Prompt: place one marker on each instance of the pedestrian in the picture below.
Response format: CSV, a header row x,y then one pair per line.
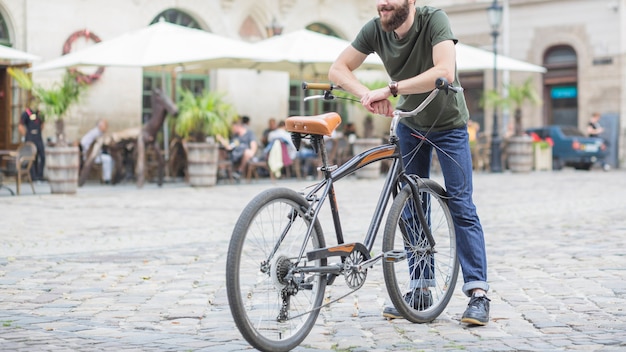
x,y
102,157
417,47
31,128
594,129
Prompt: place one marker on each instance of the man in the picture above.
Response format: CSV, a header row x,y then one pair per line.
x,y
30,127
271,126
242,147
105,159
417,47
594,129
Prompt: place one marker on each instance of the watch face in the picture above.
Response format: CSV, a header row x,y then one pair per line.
x,y
393,88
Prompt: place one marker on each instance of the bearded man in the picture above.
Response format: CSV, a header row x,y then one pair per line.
x,y
417,47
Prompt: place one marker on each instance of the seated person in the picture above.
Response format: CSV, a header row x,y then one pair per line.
x,y
281,134
276,158
242,146
102,158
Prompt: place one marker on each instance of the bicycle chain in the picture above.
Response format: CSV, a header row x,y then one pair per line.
x,y
325,304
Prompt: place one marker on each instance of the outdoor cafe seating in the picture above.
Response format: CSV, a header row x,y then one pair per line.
x,y
17,164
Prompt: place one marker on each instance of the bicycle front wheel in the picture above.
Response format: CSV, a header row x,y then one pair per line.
x,y
420,283
273,304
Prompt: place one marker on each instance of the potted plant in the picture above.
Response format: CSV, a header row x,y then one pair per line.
x,y
62,161
519,147
199,120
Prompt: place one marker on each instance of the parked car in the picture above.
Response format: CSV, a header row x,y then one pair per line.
x,y
570,147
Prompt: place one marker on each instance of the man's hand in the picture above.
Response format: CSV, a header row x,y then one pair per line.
x,y
376,102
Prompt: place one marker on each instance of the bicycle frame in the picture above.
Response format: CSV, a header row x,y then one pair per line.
x,y
396,174
379,153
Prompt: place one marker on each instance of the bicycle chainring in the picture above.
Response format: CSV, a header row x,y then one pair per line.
x,y
355,277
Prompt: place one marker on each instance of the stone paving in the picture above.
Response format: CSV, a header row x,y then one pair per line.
x,y
116,268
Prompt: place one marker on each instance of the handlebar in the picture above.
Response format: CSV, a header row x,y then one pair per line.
x,y
441,84
318,86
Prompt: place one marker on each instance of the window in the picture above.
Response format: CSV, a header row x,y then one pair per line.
x,y
473,84
296,94
152,80
561,86
177,17
4,32
193,82
19,97
155,79
311,107
322,28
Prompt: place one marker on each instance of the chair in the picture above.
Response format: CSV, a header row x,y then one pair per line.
x,y
225,165
95,170
254,165
22,162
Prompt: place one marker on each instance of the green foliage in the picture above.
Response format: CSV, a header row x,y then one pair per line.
x,y
516,97
56,100
207,114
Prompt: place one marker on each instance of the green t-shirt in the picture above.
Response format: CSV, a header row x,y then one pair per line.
x,y
408,57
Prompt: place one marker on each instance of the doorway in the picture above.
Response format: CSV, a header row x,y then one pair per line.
x,y
561,86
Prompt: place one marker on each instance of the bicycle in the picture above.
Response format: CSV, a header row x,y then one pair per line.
x,y
277,267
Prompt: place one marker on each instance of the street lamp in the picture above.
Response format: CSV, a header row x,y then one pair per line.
x,y
494,12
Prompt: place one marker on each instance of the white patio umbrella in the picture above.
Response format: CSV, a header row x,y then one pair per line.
x,y
163,45
470,58
304,53
14,56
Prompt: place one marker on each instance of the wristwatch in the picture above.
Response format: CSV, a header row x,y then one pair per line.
x,y
393,88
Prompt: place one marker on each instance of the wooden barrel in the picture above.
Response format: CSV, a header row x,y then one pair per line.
x,y
202,161
372,170
62,164
520,154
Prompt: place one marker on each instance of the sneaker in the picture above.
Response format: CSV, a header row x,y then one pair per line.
x,y
237,176
477,312
419,299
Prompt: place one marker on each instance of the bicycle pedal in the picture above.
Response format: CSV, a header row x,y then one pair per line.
x,y
394,255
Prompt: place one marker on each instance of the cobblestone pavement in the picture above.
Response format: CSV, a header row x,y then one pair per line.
x,y
126,269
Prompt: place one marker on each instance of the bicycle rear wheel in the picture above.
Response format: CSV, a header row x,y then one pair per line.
x,y
424,268
273,307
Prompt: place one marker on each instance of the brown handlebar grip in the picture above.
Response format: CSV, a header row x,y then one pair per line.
x,y
320,86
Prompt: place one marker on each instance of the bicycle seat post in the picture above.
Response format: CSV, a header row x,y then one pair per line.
x,y
318,140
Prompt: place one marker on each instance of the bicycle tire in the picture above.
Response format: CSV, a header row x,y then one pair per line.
x,y
437,271
254,282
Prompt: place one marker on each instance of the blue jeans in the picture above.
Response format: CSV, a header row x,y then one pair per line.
x,y
456,164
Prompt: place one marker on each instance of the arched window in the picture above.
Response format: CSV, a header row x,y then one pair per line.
x,y
561,86
156,79
4,32
177,17
322,28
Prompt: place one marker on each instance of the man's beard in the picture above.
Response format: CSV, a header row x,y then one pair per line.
x,y
398,16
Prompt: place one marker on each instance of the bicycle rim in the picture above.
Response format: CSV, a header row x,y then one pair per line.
x,y
267,238
435,270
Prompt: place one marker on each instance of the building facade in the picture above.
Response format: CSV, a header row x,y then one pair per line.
x,y
580,42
